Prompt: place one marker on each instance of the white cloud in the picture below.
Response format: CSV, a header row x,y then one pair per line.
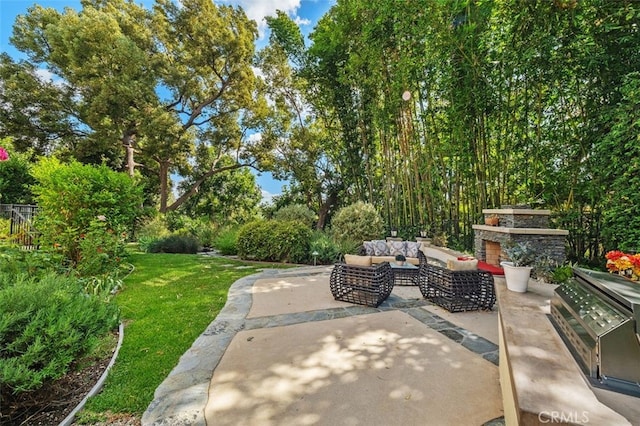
x,y
258,9
267,197
254,137
301,21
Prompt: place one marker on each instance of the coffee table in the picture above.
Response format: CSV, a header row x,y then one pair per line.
x,y
406,274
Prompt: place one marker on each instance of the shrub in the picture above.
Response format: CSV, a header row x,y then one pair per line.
x,y
175,243
76,202
328,250
226,241
203,230
357,222
274,241
298,212
14,261
15,177
5,228
155,228
45,324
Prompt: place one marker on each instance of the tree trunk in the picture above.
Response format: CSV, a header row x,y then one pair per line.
x,y
323,213
128,140
164,185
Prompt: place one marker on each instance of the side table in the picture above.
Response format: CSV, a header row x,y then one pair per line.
x,y
406,274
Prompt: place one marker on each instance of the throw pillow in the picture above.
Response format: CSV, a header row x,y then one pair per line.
x,y
397,247
354,259
462,265
412,249
380,248
368,248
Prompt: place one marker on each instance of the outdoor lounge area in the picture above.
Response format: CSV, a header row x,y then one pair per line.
x,y
448,280
334,360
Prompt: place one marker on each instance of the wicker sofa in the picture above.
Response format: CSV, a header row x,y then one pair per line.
x,y
386,251
455,290
363,285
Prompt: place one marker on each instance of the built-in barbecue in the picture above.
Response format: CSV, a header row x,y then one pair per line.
x,y
598,316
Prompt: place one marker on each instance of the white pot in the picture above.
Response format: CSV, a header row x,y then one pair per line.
x,y
517,277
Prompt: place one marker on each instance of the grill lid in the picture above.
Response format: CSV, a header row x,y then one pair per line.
x,y
621,290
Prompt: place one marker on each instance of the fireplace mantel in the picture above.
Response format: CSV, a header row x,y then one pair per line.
x,y
523,231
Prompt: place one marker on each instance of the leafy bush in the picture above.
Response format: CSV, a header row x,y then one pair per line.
x,y
328,250
155,228
14,261
78,202
274,241
175,243
298,212
203,230
45,324
146,243
357,222
5,228
226,241
15,177
101,250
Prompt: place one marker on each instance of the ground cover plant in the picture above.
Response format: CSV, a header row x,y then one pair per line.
x,y
167,302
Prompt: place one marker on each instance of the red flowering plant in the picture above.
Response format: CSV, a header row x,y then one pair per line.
x,y
628,265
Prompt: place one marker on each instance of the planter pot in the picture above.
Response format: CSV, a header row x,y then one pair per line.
x,y
517,277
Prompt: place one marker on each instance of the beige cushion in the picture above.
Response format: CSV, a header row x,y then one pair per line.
x,y
462,265
433,252
353,259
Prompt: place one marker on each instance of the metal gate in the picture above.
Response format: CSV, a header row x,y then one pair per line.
x,y
21,229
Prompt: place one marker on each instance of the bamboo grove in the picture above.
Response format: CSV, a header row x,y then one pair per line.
x,y
444,108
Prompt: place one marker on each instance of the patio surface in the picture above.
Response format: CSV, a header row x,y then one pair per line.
x,y
284,352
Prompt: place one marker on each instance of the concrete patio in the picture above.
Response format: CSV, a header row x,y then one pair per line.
x,y
284,352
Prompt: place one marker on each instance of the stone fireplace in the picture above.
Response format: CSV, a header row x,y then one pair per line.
x,y
518,225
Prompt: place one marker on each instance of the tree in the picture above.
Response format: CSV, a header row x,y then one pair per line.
x,y
229,197
160,82
303,151
34,112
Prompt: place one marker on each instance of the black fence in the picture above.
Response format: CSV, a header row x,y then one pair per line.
x,y
21,229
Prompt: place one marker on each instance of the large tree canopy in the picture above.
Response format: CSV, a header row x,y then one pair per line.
x,y
172,85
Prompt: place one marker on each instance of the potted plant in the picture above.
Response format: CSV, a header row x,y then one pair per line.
x,y
518,266
400,259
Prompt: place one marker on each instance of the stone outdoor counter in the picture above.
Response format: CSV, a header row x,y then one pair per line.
x,y
540,380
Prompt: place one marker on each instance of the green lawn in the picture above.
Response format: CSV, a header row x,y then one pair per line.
x,y
166,303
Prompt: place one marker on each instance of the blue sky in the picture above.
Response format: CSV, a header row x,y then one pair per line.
x,y
305,12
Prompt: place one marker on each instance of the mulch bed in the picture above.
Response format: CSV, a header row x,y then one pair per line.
x,y
52,403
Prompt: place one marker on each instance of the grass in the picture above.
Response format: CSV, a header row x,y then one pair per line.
x,y
166,303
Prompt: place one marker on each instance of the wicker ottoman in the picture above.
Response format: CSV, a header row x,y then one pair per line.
x,y
456,290
362,285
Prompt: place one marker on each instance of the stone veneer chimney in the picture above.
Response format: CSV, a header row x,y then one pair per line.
x,y
519,225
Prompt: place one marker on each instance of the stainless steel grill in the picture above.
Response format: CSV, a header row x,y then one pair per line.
x,y
598,316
